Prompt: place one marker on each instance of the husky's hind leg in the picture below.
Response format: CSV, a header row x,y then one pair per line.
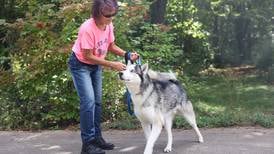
x,y
168,127
188,113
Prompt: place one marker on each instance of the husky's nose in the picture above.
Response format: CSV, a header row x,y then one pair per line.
x,y
120,75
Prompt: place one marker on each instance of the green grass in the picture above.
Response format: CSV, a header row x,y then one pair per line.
x,y
221,101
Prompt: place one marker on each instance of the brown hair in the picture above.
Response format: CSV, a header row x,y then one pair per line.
x,y
99,5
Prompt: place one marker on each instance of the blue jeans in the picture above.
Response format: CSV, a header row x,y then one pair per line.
x,y
87,81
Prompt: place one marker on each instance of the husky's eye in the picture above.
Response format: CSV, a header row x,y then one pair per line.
x,y
131,71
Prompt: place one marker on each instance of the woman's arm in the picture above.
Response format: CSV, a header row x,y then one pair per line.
x,y
118,51
112,64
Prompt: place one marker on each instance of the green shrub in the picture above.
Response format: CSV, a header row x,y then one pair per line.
x,y
190,35
41,94
263,120
156,46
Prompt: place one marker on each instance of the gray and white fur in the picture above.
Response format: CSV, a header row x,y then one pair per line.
x,y
157,97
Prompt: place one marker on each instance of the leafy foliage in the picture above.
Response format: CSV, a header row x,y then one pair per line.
x,y
238,29
42,85
156,46
196,52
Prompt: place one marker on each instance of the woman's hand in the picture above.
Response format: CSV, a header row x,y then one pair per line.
x,y
118,66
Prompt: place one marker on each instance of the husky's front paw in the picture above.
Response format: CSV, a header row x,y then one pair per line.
x,y
167,149
201,139
148,151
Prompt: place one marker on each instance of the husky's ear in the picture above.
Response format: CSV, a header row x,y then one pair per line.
x,y
145,68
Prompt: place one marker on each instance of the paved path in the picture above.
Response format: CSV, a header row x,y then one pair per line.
x,y
243,140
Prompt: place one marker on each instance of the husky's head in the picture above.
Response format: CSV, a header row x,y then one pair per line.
x,y
134,74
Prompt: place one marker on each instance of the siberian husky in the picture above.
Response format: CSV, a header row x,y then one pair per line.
x,y
157,97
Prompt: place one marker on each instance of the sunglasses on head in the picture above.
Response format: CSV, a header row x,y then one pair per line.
x,y
109,15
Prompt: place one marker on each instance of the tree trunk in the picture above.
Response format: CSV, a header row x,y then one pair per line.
x,y
158,11
2,9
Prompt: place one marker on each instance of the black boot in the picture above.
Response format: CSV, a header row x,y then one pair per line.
x,y
100,142
91,148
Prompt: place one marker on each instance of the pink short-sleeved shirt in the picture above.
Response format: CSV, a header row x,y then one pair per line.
x,y
91,37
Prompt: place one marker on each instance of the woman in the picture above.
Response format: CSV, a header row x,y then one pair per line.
x,y
95,39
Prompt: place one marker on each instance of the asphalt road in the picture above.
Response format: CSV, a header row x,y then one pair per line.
x,y
240,140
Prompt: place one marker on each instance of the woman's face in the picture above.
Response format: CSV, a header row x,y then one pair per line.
x,y
107,15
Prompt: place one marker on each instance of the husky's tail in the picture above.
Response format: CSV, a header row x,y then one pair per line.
x,y
162,75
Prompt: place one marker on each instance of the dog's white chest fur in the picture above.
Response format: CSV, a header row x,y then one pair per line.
x,y
146,114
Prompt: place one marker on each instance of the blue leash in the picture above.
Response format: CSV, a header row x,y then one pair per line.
x,y
129,103
128,97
